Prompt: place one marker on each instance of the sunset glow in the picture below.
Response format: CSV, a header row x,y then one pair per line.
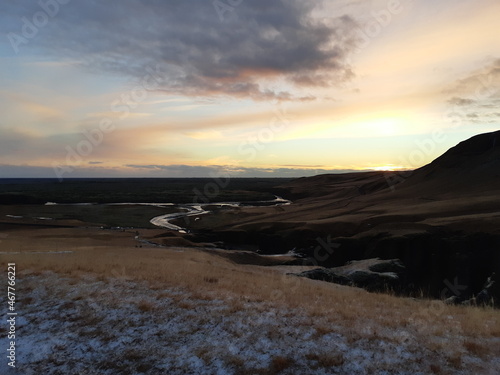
x,y
263,89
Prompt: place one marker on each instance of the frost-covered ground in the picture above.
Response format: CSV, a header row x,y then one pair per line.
x,y
90,325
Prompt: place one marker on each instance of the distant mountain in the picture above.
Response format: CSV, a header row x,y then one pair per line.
x,y
471,166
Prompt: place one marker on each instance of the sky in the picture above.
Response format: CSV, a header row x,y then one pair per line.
x,y
246,88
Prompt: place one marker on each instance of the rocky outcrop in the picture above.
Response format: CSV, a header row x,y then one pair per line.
x,y
374,275
391,265
488,296
324,274
374,281
434,261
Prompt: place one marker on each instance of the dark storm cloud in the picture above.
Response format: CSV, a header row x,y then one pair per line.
x,y
198,52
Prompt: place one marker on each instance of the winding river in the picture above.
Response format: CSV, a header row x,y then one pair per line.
x,y
187,209
196,209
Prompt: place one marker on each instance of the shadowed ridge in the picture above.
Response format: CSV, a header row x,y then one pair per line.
x,y
334,186
467,153
470,166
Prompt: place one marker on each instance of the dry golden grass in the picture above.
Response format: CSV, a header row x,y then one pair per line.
x,y
476,348
146,306
207,276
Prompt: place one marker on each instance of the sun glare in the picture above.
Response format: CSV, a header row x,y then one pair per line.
x,y
373,125
384,126
388,167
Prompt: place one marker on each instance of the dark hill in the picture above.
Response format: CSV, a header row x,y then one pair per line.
x,y
333,186
471,167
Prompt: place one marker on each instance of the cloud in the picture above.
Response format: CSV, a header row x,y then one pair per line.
x,y
480,85
461,101
160,171
14,105
180,170
258,51
476,94
33,171
23,146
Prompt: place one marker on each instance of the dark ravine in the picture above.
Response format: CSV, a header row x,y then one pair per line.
x,y
439,265
375,275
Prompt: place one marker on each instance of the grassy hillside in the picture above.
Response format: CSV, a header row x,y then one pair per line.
x,y
138,305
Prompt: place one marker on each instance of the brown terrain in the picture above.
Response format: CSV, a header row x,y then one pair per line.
x,y
442,220
92,302
109,300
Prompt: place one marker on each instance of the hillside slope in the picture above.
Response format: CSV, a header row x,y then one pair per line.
x,y
443,218
471,167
